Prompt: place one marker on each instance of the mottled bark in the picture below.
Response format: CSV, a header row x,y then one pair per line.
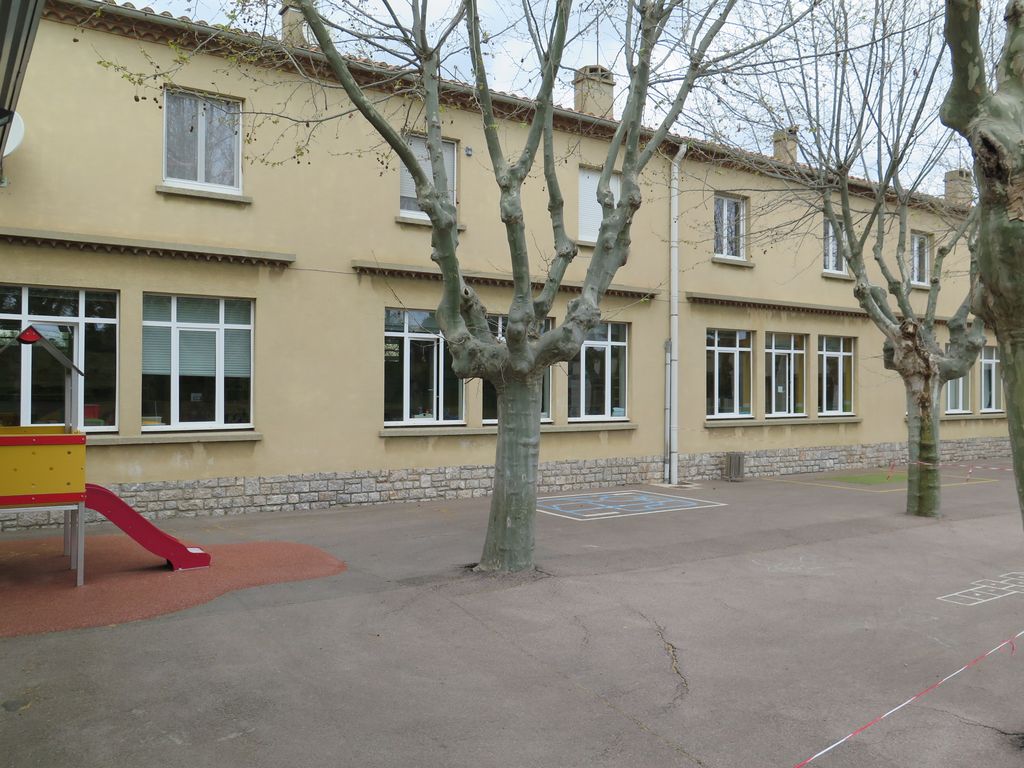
x,y
992,122
509,542
923,478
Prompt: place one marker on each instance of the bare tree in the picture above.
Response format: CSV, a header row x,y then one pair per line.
x,y
987,109
860,82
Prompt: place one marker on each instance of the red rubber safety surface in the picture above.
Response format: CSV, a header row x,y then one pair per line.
x,y
123,582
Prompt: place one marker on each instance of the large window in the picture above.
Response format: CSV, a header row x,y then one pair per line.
x,y
597,375
729,373
591,212
420,386
730,227
835,375
833,261
490,394
784,372
408,204
202,141
83,325
920,257
991,383
196,362
958,395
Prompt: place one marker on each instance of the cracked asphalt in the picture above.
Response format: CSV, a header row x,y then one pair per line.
x,y
750,635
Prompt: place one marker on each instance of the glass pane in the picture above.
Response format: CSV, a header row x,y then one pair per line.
x,y
100,304
394,367
618,381
575,396
238,311
545,401
53,302
745,383
197,376
798,342
595,383
727,338
710,391
732,231
237,399
195,310
422,321
720,225
711,337
832,343
156,307
780,395
598,333
182,116
847,385
237,374
782,340
496,325
726,382
48,376
156,399
156,350
394,319
798,382
238,352
743,339
452,405
422,368
222,142
489,411
831,384
10,375
618,331
100,385
10,299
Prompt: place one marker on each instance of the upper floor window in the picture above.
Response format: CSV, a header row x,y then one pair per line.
x,y
730,226
920,256
784,371
597,375
202,141
420,386
591,212
991,382
196,362
408,203
835,375
833,253
490,394
83,325
728,373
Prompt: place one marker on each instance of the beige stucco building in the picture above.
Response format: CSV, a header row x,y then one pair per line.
x,y
250,297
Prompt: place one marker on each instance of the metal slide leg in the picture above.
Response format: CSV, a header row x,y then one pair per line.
x,y
80,545
67,532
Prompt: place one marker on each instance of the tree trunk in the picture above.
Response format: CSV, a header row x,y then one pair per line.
x,y
923,487
509,543
1011,358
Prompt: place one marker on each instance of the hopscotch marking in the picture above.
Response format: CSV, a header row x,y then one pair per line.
x,y
987,590
601,506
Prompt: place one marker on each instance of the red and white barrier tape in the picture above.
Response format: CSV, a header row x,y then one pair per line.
x,y
1011,643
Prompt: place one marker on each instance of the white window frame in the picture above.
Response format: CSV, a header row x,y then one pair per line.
x,y
991,378
961,389
205,99
833,261
78,322
607,344
918,262
176,425
845,358
590,211
453,182
727,201
797,357
500,335
406,336
717,348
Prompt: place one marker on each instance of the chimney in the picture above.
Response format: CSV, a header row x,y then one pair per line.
x,y
595,90
959,187
784,145
293,25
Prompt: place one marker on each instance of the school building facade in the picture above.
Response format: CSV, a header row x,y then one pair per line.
x,y
256,322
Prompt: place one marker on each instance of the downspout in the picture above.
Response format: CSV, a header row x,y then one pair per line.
x,y
666,472
673,303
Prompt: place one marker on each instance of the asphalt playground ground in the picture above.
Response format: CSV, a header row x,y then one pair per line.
x,y
751,629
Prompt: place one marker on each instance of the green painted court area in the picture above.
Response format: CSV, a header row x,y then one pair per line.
x,y
873,478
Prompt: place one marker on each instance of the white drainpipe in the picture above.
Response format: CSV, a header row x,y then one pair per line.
x,y
673,303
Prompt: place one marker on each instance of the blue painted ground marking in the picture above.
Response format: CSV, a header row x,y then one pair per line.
x,y
598,506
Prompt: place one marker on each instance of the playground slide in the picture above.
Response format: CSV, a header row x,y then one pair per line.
x,y
117,511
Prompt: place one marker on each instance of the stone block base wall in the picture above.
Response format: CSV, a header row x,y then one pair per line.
x,y
239,495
